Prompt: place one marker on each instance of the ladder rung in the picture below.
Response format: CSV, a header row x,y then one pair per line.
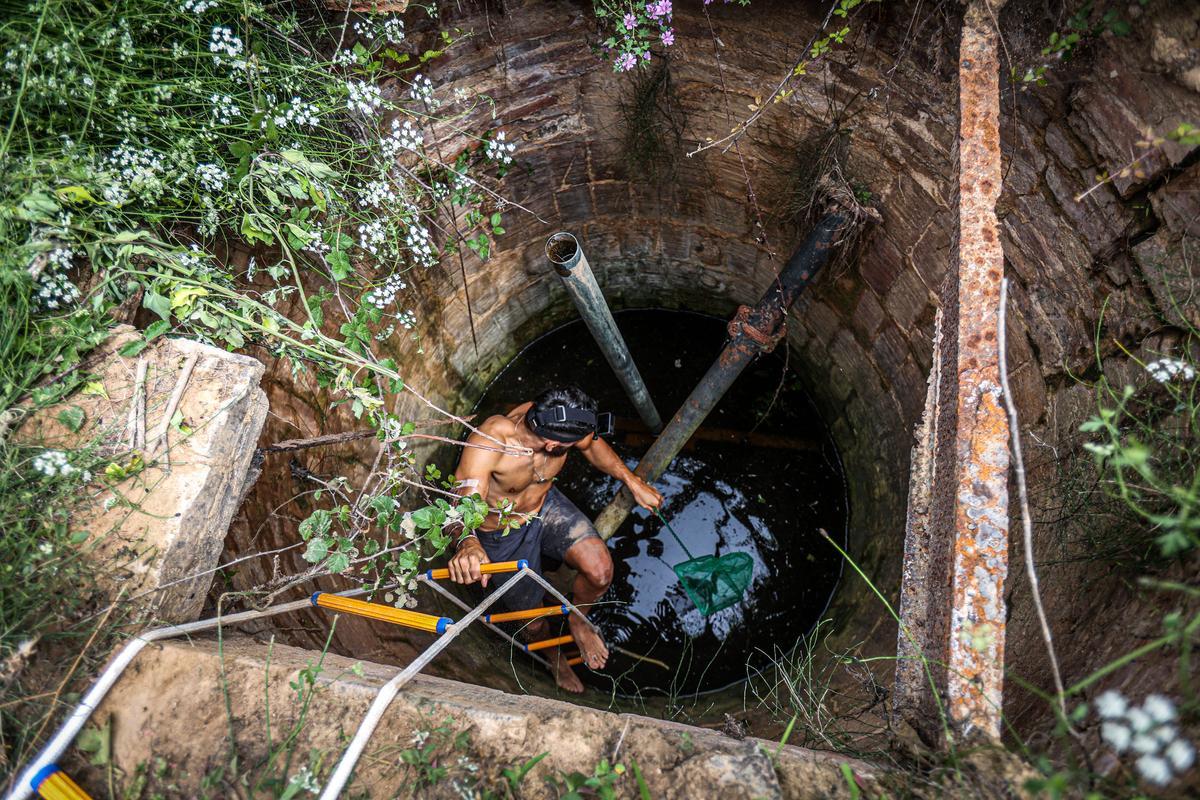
x,y
486,569
396,616
528,613
544,643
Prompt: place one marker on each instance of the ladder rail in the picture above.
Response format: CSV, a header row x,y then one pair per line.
x,y
387,692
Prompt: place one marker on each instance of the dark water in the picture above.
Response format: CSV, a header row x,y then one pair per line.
x,y
720,497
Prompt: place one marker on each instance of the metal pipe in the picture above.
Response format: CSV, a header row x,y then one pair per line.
x,y
751,331
572,267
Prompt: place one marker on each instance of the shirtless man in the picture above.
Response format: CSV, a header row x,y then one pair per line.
x,y
558,421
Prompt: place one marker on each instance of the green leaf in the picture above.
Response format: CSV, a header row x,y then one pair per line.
x,y
339,264
72,418
97,743
338,562
157,303
316,551
156,329
94,388
74,194
133,348
317,524
253,230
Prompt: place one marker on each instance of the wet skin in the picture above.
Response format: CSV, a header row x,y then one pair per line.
x,y
525,480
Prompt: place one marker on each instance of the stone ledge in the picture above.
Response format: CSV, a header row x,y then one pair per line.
x,y
169,704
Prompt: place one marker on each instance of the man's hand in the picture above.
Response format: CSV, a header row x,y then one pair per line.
x,y
646,495
464,567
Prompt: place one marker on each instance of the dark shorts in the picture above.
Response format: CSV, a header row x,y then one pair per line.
x,y
557,527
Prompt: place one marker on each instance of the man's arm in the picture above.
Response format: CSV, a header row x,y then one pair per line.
x,y
604,458
473,474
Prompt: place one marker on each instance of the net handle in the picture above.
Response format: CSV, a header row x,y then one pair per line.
x,y
658,514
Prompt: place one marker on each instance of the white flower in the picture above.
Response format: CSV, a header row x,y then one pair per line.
x,y
1145,743
344,58
1166,369
420,244
499,150
54,464
421,89
1181,754
1139,720
1165,734
371,235
191,259
223,42
375,194
1116,734
1109,705
197,7
382,296
1154,769
402,137
363,97
299,113
407,319
364,28
212,177
392,30
1160,708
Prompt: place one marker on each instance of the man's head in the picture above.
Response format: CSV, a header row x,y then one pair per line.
x,y
562,430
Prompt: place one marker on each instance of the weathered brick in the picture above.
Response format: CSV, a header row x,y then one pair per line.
x,y
881,264
907,299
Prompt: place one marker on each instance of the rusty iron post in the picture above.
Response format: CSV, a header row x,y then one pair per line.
x,y
956,548
751,331
568,260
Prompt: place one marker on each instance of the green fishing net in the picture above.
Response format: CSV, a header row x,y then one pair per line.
x,y
713,582
716,582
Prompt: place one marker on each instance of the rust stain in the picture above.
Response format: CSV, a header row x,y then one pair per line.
x,y
980,558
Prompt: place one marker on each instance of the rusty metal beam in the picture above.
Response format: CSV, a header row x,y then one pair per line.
x,y
975,673
956,543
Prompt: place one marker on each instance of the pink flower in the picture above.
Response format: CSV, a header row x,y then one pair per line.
x,y
626,62
661,8
630,22
668,37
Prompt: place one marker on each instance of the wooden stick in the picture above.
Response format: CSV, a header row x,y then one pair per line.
x,y
185,374
137,408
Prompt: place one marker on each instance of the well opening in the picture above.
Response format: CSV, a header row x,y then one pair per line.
x,y
762,477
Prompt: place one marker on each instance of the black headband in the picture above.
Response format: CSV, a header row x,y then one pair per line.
x,y
599,424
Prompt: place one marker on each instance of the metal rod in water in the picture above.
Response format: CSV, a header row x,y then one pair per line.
x,y
572,267
752,331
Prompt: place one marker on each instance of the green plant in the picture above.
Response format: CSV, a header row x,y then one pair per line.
x,y
515,776
438,752
1087,22
602,783
1146,445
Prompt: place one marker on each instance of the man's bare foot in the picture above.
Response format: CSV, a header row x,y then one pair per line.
x,y
591,646
564,676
